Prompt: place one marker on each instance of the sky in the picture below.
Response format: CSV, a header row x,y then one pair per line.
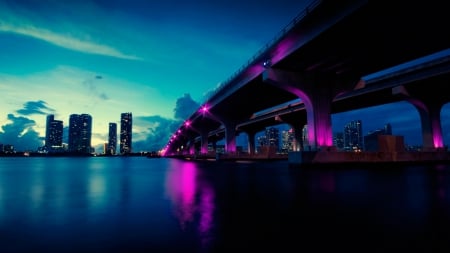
x,y
158,60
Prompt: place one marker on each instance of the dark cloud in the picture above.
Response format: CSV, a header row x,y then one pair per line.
x,y
35,107
185,107
158,132
20,134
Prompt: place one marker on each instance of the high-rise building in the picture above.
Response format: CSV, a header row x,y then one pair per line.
x,y
338,140
53,133
126,123
353,138
273,137
80,131
287,140
112,139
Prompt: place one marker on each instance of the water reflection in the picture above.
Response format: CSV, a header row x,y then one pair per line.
x,y
192,198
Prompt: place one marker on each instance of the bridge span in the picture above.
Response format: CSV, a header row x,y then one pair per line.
x,y
321,58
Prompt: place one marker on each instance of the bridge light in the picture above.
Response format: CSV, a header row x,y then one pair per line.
x,y
204,109
267,63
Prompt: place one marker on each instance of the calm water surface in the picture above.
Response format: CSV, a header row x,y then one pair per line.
x,y
135,204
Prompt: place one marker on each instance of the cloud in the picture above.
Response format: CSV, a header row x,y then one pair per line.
x,y
91,85
156,134
20,134
35,107
185,107
64,40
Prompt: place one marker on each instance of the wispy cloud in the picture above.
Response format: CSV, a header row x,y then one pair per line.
x,y
64,41
35,107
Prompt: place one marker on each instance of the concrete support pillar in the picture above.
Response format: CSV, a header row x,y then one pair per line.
x,y
204,142
192,148
230,137
431,126
430,116
316,91
251,142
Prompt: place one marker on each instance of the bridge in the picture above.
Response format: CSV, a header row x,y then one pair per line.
x,y
321,58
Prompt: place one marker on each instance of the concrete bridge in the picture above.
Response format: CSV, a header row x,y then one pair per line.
x,y
322,58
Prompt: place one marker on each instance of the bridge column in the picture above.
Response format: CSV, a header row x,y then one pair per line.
x,y
192,147
251,142
204,142
230,137
316,91
430,116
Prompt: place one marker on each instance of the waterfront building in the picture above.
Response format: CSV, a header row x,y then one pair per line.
x,y
112,139
287,140
371,139
353,138
53,133
80,132
126,124
273,137
338,140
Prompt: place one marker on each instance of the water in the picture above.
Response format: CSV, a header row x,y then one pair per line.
x,y
135,204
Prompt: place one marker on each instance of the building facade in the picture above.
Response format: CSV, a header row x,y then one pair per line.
x,y
353,138
371,139
53,134
126,124
80,132
112,139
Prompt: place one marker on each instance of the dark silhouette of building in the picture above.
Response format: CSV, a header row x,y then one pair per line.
x,y
112,139
371,142
353,138
338,140
80,132
126,124
53,133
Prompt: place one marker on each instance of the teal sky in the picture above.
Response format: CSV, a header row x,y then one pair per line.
x,y
108,57
156,59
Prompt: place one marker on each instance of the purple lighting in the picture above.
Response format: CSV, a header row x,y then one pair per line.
x,y
204,109
191,198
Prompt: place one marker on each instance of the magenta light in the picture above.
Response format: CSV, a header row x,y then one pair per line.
x,y
437,133
187,123
204,109
181,188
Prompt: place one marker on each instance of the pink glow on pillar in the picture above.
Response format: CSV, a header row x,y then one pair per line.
x,y
437,133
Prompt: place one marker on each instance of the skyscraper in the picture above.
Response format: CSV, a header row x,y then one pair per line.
x,y
353,138
273,137
53,133
112,139
80,131
126,123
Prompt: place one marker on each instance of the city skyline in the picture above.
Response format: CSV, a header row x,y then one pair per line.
x,y
159,60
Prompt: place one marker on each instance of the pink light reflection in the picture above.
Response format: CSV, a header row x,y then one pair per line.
x,y
180,186
191,197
